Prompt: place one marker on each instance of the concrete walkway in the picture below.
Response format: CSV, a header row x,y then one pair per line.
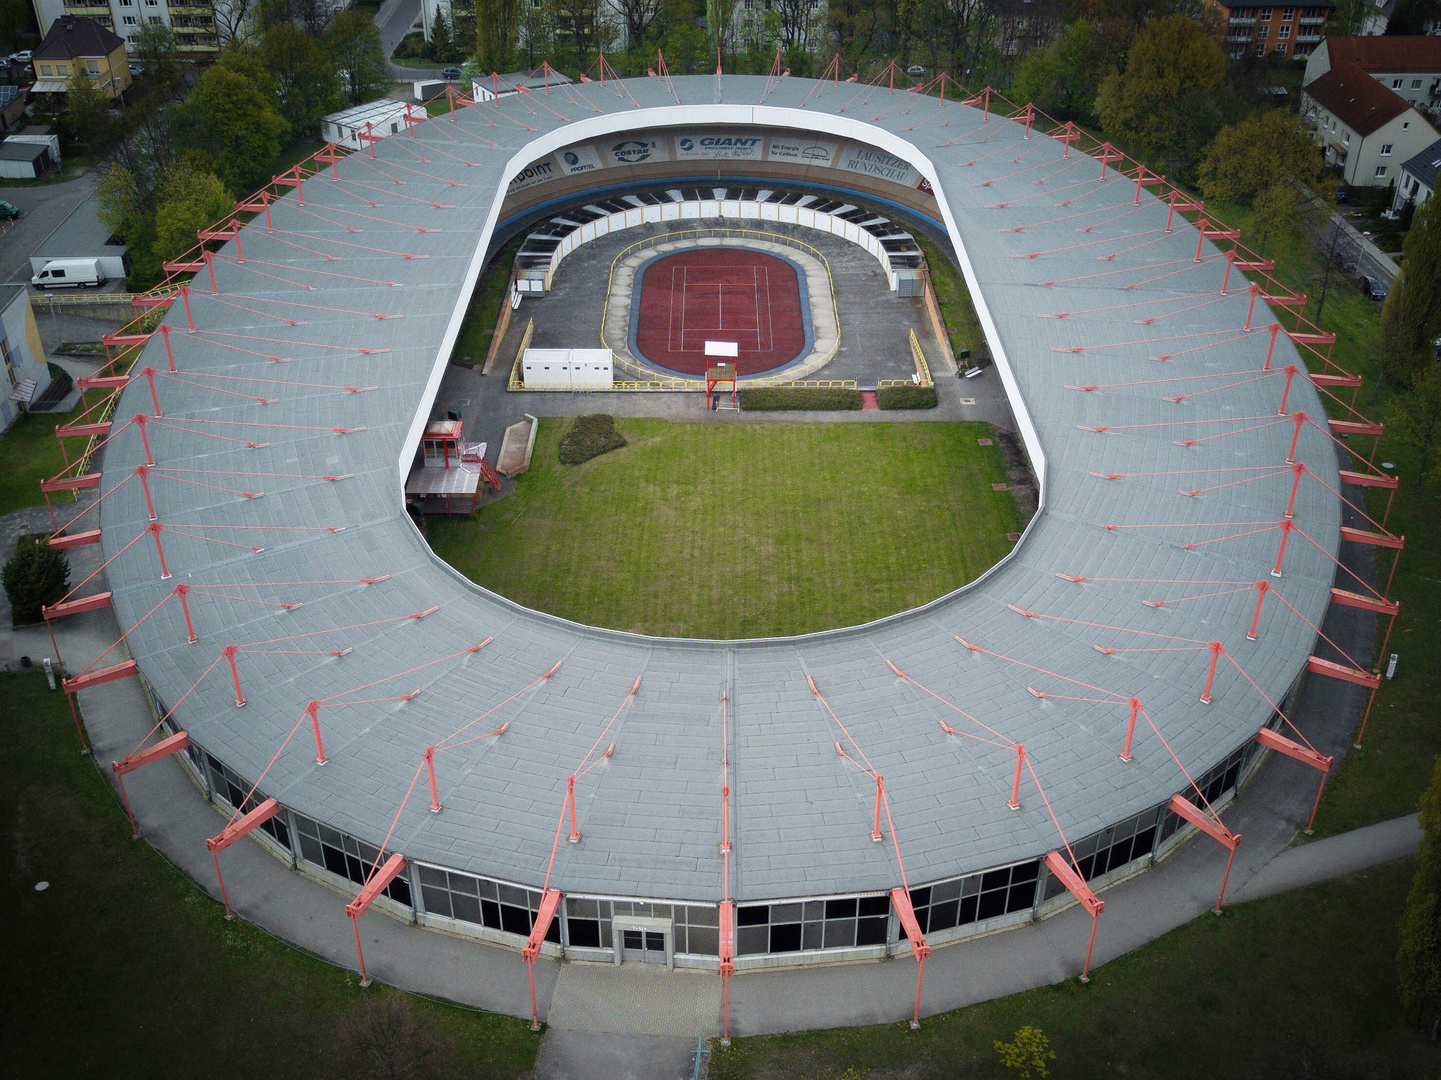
x,y
1369,258
629,1022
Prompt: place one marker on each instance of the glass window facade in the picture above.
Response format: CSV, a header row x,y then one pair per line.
x,y
481,901
812,924
344,856
590,922
230,789
976,897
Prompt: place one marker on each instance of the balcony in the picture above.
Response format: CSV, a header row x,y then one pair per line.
x,y
1308,39
1313,22
1241,22
1239,38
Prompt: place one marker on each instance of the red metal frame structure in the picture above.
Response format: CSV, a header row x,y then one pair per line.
x,y
140,758
1077,887
233,832
361,904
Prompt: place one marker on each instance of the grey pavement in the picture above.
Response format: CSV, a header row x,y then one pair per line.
x,y
1307,864
1370,258
42,207
585,1055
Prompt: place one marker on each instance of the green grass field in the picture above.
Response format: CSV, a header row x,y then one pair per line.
x,y
1300,985
742,530
123,968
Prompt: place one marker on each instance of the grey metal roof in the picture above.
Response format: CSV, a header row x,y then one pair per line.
x,y
650,814
13,151
79,235
1425,165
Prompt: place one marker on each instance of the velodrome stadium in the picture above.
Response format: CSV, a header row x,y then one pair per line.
x,y
445,756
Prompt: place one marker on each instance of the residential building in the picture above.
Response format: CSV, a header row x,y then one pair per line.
x,y
75,45
1367,130
1418,177
1408,66
1294,30
194,21
26,373
12,107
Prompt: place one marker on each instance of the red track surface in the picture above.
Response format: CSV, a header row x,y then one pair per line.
x,y
720,294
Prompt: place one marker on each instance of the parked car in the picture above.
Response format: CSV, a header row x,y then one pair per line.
x,y
1373,288
22,57
8,210
915,71
451,73
1346,260
136,70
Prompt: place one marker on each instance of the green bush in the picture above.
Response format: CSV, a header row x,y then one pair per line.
x,y
799,398
906,397
590,436
37,575
1418,962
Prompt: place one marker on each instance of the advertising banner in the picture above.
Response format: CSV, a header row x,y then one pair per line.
x,y
718,146
635,151
578,159
877,163
538,172
802,150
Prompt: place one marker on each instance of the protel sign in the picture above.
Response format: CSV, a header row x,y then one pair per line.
x,y
578,159
805,151
718,146
636,151
536,173
877,163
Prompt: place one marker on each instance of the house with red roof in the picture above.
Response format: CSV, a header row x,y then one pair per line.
x,y
1366,128
1410,67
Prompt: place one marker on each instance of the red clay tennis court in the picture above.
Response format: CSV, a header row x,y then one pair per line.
x,y
720,294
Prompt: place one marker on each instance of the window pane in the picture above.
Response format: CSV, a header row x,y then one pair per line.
x,y
703,916
465,907
490,914
584,933
992,904
399,891
631,939
841,909
585,909
429,875
514,920
437,901
704,941
786,938
840,933
753,916
785,913
751,940
311,851
871,931
811,934
1021,896
943,915
875,905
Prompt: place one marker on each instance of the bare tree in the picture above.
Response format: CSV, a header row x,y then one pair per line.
x,y
1334,248
384,1041
234,22
638,16
797,17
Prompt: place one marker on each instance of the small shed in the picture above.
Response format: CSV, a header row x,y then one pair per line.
x,y
354,127
25,161
12,107
81,236
492,86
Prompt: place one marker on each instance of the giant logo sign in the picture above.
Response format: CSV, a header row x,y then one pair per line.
x,y
718,146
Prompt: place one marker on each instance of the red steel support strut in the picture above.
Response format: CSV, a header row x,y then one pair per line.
x,y
314,710
1216,650
154,530
574,836
430,764
1262,588
1015,803
1135,704
144,438
181,591
1286,526
1298,468
1271,347
230,651
880,794
1300,419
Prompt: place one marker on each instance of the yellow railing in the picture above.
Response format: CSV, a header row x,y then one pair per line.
x,y
515,371
918,354
804,384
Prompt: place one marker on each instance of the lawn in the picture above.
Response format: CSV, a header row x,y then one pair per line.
x,y
1297,985
962,325
742,530
478,329
123,968
29,453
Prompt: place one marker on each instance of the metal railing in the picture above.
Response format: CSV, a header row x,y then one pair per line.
x,y
92,299
515,369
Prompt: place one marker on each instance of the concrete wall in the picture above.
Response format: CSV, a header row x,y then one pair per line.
x,y
27,357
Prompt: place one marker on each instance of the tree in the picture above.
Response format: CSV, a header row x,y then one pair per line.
x,y
119,201
234,125
1349,18
638,16
1418,961
157,51
1254,155
303,81
1169,102
1415,421
1411,315
190,198
87,109
1413,17
358,56
1027,1054
235,23
1063,77
497,22
36,575
383,1041
438,47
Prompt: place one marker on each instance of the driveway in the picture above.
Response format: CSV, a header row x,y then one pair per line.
x,y
42,207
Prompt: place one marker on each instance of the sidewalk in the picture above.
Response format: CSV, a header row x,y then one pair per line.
x,y
1370,259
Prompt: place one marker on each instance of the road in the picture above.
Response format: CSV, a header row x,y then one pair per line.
x,y
42,207
1369,258
395,19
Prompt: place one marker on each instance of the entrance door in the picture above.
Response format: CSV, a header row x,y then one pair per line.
x,y
644,946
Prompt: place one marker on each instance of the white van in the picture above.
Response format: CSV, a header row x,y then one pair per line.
x,y
69,274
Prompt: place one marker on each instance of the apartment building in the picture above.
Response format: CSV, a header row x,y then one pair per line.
x,y
194,21
1367,129
1289,31
1410,67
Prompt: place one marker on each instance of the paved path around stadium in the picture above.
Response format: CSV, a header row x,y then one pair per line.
x,y
621,1022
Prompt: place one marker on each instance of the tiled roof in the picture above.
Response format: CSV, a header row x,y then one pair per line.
x,y
1356,99
1378,55
75,37
1425,165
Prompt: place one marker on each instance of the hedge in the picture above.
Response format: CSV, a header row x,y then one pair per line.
x,y
590,436
799,398
906,397
36,575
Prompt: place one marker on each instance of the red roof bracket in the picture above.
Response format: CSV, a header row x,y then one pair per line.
x,y
121,670
1282,745
94,602
70,540
727,938
1074,883
164,748
901,901
549,904
1342,671
243,825
1212,827
375,886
